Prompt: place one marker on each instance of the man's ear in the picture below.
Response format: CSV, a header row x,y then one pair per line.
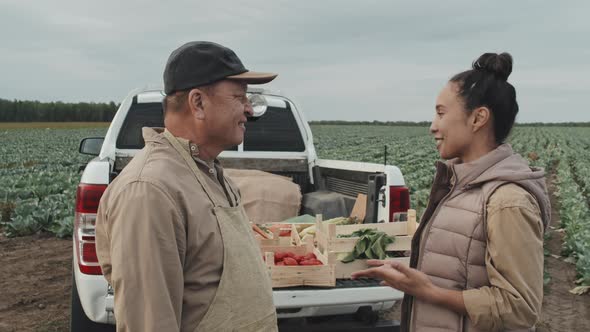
x,y
195,102
480,117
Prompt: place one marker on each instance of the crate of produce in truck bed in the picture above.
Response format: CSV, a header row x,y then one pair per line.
x,y
281,233
301,265
291,242
349,246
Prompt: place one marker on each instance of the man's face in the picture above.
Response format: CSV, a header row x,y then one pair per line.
x,y
226,113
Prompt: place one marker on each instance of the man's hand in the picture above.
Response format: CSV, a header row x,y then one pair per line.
x,y
399,276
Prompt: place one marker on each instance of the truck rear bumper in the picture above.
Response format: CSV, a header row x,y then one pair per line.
x,y
293,298
331,310
338,323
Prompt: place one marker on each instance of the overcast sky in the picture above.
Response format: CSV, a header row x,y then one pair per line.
x,y
339,60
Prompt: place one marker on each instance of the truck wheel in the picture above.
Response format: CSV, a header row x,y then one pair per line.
x,y
366,315
78,319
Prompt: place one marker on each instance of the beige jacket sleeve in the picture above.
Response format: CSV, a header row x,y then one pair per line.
x,y
147,246
514,262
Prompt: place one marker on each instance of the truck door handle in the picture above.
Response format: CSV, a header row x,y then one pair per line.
x,y
382,196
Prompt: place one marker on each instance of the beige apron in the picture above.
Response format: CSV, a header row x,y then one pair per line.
x,y
243,301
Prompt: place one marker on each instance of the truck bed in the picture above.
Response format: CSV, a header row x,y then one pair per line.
x,y
332,194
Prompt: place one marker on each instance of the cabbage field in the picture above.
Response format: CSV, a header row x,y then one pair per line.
x,y
38,178
39,172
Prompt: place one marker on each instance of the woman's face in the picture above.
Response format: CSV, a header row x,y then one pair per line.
x,y
451,125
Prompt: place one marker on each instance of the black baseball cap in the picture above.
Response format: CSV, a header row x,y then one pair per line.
x,y
199,63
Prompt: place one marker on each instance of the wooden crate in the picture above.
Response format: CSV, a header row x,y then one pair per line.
x,y
277,240
291,276
278,244
331,246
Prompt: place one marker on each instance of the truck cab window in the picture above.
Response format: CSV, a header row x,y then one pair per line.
x,y
276,130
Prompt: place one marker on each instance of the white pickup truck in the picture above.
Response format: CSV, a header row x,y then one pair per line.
x,y
279,142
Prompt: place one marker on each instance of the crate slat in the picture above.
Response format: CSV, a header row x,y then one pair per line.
x,y
344,270
402,243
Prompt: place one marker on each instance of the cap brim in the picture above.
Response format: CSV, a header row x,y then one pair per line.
x,y
251,77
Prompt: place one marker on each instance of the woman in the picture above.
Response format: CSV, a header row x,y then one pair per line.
x,y
477,256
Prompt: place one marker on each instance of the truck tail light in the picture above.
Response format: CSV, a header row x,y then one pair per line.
x,y
399,200
87,199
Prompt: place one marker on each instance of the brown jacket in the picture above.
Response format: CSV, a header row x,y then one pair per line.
x,y
157,238
458,236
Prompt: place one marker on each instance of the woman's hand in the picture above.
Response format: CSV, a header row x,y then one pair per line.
x,y
413,282
399,276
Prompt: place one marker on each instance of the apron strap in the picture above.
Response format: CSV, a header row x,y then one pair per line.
x,y
192,165
232,190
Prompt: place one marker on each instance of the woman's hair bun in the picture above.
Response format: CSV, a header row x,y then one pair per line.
x,y
500,65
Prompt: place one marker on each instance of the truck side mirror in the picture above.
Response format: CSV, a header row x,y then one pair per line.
x,y
259,105
91,145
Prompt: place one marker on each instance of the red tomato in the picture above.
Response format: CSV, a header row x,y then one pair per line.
x,y
290,261
311,262
310,255
299,258
279,256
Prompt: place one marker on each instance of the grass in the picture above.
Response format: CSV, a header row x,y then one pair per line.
x,y
62,125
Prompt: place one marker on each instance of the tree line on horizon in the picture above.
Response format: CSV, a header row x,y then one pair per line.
x,y
36,111
427,123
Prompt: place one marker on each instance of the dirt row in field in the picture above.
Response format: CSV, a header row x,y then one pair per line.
x,y
35,283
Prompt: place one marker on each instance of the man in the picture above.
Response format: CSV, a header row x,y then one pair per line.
x,y
172,237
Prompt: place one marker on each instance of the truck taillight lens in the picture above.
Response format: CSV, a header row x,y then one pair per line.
x,y
88,196
87,199
399,200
